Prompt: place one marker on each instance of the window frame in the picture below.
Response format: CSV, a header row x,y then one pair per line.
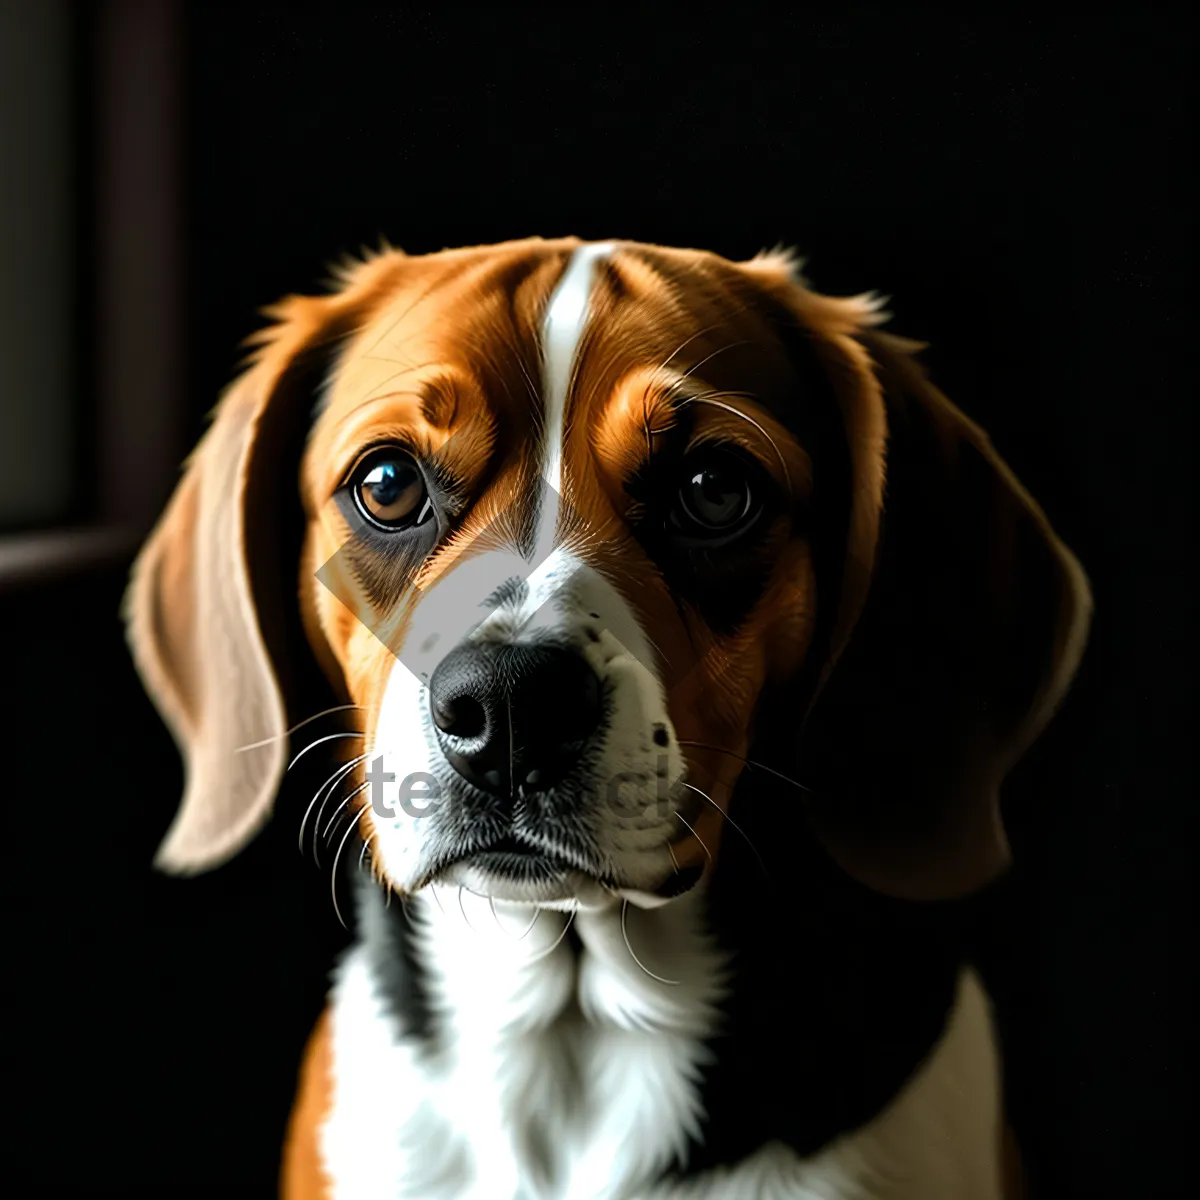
x,y
128,264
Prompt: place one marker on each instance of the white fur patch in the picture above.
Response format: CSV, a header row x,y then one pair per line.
x,y
575,1078
562,331
562,1075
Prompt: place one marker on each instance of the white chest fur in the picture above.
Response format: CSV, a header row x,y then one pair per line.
x,y
567,1075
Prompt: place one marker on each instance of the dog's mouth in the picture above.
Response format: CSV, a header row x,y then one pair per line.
x,y
502,865
516,871
521,863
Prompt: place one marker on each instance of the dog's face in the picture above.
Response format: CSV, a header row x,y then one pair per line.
x,y
565,521
579,521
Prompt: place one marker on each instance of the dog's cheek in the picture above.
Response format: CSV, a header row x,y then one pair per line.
x,y
320,619
788,615
343,630
395,701
369,665
719,696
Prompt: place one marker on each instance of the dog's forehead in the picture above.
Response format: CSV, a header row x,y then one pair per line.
x,y
485,321
464,317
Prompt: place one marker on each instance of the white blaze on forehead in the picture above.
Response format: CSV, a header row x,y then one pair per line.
x,y
562,331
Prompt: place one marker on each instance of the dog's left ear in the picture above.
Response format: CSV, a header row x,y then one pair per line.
x,y
959,622
212,612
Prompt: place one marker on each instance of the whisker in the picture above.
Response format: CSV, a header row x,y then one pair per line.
x,y
329,737
718,395
378,393
696,836
333,882
387,333
657,648
363,853
752,763
533,393
512,774
625,935
299,725
737,412
321,813
462,908
666,362
693,788
383,395
707,358
557,940
537,912
330,782
332,820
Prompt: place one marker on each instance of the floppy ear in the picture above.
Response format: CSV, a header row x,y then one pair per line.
x,y
954,617
211,611
953,656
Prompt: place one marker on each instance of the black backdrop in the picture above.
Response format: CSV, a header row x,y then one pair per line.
x,y
1015,183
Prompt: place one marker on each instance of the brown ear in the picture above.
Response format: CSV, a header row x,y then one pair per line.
x,y
962,621
211,610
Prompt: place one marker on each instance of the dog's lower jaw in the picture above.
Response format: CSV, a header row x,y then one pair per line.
x,y
564,1064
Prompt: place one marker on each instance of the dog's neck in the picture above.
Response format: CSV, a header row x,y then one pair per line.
x,y
790,1005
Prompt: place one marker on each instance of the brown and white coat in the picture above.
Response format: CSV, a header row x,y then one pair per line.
x,y
740,977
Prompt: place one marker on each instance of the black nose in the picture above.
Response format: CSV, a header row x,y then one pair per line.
x,y
510,717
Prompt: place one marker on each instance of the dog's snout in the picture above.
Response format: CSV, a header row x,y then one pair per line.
x,y
513,717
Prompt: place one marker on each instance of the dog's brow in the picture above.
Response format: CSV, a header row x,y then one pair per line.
x,y
439,406
438,402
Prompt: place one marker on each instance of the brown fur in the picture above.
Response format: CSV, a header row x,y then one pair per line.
x,y
302,1177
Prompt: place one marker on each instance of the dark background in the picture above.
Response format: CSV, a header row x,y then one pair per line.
x,y
1016,182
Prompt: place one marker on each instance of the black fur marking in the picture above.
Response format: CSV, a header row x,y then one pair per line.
x,y
386,934
838,994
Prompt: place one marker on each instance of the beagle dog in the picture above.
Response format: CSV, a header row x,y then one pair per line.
x,y
682,634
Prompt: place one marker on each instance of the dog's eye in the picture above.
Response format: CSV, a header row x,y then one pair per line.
x,y
390,491
717,495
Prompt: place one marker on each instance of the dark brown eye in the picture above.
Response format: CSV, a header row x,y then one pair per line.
x,y
716,495
390,491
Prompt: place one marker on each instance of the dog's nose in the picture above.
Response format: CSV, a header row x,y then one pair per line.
x,y
510,717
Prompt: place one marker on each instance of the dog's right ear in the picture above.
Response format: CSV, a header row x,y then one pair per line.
x,y
211,610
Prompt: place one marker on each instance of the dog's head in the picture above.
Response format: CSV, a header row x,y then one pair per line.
x,y
572,525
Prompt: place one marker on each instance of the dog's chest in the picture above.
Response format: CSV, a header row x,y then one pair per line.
x,y
564,1067
571,1072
